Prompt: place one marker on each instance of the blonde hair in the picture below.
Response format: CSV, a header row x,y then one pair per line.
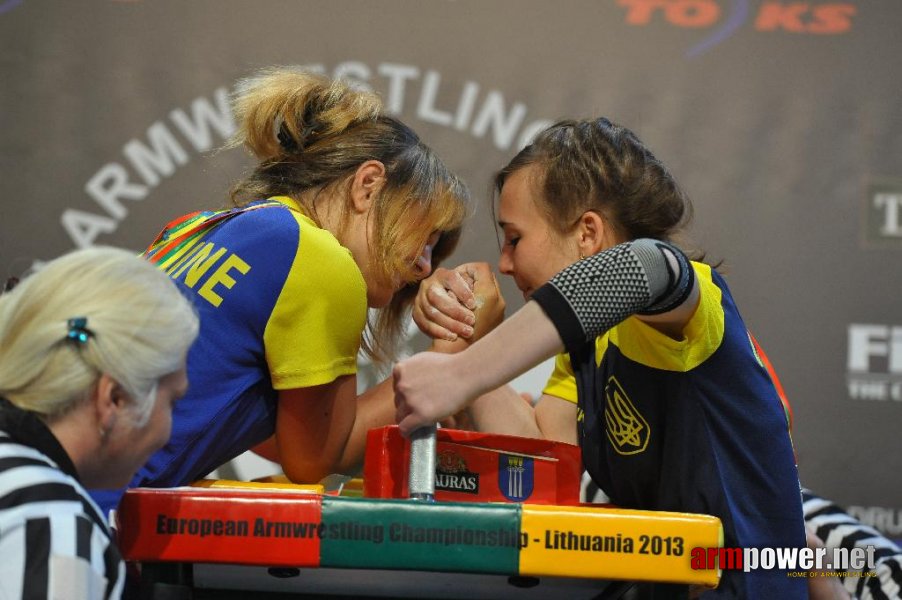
x,y
139,329
312,133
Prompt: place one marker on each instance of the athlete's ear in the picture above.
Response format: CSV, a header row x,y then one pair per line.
x,y
365,184
593,233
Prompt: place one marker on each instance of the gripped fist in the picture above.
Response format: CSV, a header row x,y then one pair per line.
x,y
464,302
426,390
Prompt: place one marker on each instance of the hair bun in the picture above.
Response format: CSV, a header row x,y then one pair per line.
x,y
306,133
283,111
287,141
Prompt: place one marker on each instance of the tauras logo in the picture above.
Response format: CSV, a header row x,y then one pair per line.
x,y
457,482
875,362
171,143
451,474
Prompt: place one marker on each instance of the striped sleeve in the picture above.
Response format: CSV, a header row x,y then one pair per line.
x,y
53,541
838,529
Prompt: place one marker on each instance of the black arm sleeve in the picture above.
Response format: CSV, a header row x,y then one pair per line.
x,y
593,295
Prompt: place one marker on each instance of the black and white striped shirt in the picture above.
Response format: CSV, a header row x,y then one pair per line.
x,y
54,542
838,529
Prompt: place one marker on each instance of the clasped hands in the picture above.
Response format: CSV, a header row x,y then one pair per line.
x,y
455,307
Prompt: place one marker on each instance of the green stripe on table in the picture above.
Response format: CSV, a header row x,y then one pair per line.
x,y
407,534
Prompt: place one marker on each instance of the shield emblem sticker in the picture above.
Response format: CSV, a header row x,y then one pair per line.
x,y
516,475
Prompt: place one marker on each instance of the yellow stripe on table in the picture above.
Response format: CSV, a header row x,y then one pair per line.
x,y
616,544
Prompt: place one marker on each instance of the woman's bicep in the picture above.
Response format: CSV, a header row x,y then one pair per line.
x,y
312,427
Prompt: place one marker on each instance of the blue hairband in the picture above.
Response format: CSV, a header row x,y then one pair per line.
x,y
78,331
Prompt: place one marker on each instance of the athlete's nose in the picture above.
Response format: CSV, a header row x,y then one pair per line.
x,y
424,263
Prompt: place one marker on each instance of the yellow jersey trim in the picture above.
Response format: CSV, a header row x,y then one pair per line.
x,y
313,333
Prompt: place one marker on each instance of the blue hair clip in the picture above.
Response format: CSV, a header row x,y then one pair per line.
x,y
78,330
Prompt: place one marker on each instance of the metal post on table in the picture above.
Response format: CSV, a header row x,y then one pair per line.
x,y
421,477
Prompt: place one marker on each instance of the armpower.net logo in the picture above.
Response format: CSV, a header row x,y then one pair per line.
x,y
797,562
721,19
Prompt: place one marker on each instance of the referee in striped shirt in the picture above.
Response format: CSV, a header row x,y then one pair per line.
x,y
92,357
838,529
47,521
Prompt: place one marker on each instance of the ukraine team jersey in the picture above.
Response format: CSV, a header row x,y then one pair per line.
x,y
692,425
282,305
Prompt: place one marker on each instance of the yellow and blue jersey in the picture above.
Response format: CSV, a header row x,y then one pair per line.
x,y
693,425
282,305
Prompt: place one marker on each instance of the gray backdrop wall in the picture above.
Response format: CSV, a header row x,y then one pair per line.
x,y
781,119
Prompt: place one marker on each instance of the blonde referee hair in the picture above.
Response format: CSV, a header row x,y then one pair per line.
x,y
138,328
